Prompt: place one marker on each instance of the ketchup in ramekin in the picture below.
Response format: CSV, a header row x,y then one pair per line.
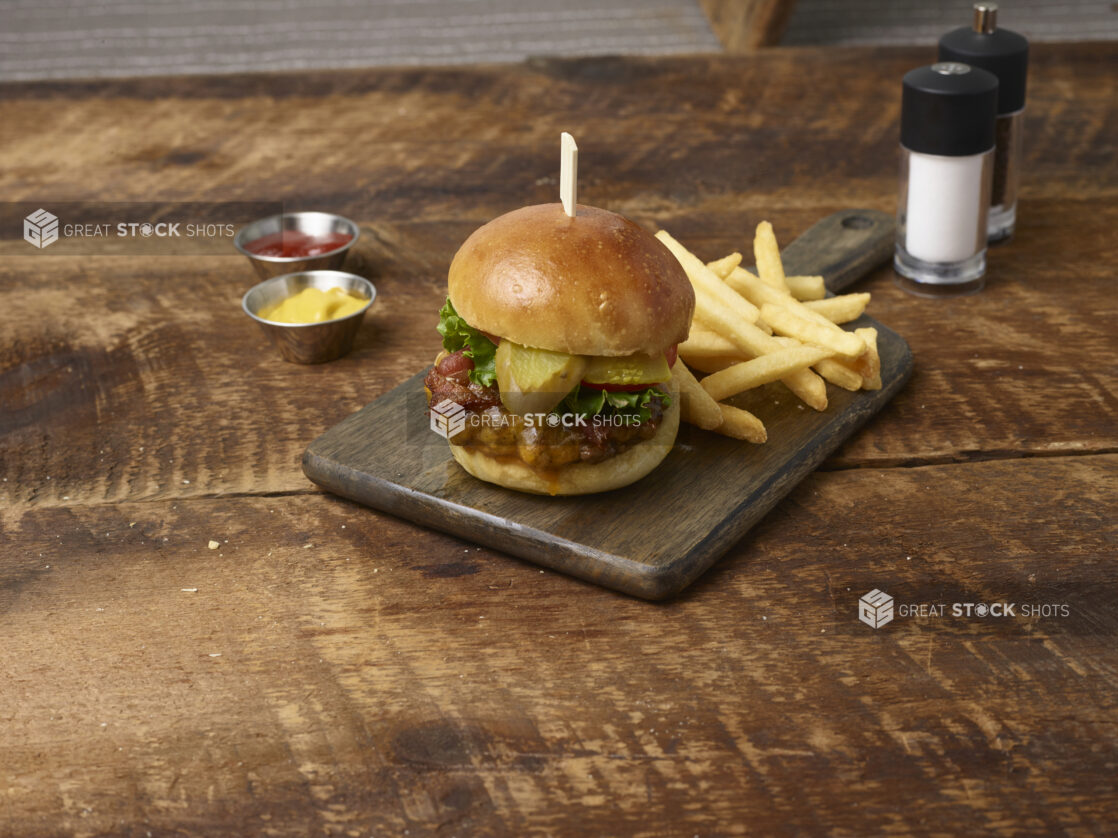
x,y
290,244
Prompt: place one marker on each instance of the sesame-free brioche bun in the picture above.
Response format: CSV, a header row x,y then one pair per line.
x,y
578,478
595,284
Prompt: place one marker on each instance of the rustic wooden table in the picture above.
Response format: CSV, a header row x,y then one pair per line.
x,y
330,670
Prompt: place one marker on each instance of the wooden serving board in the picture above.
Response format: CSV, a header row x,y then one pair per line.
x,y
655,537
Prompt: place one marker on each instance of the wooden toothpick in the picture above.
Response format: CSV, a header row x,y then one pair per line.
x,y
568,173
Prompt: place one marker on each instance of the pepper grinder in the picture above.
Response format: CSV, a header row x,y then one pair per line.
x,y
1006,55
947,151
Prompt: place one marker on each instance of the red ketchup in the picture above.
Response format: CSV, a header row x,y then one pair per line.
x,y
292,243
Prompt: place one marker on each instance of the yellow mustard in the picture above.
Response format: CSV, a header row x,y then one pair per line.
x,y
312,305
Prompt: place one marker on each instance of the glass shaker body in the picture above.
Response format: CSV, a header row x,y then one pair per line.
x,y
1004,53
942,211
1007,173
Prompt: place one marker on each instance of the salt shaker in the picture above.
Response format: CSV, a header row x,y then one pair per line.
x,y
1005,54
947,151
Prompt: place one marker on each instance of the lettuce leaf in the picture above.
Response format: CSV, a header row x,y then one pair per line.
x,y
588,401
458,334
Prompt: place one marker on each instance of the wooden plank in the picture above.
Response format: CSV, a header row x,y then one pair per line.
x,y
145,394
387,678
736,141
89,376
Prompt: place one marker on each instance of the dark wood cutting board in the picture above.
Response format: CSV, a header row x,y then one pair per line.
x,y
655,537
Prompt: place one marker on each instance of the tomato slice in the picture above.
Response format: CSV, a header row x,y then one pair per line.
x,y
671,354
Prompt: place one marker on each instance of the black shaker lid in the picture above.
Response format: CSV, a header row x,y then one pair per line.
x,y
1000,51
950,109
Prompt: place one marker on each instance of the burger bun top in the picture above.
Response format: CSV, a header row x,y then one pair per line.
x,y
595,284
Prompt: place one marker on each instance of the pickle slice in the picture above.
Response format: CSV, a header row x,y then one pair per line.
x,y
628,370
535,380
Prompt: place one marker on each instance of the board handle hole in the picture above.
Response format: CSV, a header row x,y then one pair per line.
x,y
857,222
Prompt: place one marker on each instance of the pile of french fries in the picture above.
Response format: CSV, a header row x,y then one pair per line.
x,y
751,330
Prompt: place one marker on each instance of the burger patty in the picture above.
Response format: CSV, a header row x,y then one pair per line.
x,y
491,429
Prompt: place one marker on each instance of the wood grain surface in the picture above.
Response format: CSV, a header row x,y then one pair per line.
x,y
341,672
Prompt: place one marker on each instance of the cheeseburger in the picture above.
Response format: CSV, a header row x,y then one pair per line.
x,y
559,335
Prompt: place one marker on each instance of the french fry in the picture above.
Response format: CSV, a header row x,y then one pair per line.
x,y
840,309
839,375
860,365
825,332
707,284
758,293
806,287
696,406
750,339
749,330
765,250
762,370
808,330
868,364
722,267
704,340
756,290
747,337
709,352
809,387
873,359
741,424
713,363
